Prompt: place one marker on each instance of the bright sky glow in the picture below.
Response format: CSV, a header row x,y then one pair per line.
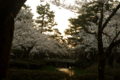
x,y
61,15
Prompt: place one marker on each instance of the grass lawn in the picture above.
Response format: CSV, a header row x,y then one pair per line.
x,y
77,71
48,68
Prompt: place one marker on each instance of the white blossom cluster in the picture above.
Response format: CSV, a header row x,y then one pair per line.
x,y
110,31
26,35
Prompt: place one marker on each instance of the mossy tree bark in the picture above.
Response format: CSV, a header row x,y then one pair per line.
x,y
8,11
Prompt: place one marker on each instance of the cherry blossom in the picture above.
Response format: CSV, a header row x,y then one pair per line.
x,y
26,36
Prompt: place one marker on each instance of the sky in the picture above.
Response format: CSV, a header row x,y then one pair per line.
x,y
61,15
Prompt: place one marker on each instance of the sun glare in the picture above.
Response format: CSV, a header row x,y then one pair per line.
x,y
61,15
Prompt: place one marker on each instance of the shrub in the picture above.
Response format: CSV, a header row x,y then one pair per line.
x,y
110,73
117,66
28,60
27,64
83,63
34,66
89,76
42,64
35,62
93,69
84,77
116,74
36,75
107,77
19,65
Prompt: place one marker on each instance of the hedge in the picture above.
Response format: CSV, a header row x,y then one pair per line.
x,y
36,75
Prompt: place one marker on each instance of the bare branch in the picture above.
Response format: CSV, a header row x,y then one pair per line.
x,y
115,37
108,19
112,45
106,35
101,19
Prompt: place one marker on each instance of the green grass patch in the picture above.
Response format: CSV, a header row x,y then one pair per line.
x,y
77,71
48,68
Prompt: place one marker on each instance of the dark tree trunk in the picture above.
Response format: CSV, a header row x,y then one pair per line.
x,y
6,36
101,59
101,67
8,11
26,53
101,56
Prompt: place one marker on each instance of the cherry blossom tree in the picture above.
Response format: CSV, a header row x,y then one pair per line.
x,y
106,35
24,35
29,39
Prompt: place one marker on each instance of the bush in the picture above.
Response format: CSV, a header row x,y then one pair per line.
x,y
83,63
110,73
116,74
84,77
93,69
42,64
27,64
34,66
117,66
36,75
107,77
89,76
19,65
49,68
28,60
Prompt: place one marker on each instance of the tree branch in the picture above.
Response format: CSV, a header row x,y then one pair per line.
x,y
115,37
108,19
106,34
89,32
101,19
112,45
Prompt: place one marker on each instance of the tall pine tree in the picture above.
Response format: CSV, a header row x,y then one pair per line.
x,y
45,18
